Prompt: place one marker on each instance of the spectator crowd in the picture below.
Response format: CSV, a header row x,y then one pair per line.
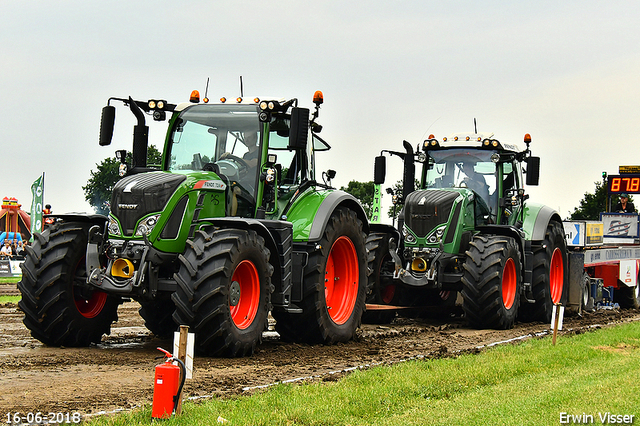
x,y
12,249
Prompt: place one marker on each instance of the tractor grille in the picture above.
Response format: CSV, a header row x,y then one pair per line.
x,y
424,210
138,195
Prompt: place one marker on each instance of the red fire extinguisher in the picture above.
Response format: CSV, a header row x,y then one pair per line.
x,y
167,386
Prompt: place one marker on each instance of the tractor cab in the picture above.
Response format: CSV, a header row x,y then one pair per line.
x,y
223,139
262,151
478,163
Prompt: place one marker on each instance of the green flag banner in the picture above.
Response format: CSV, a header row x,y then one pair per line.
x,y
375,206
37,193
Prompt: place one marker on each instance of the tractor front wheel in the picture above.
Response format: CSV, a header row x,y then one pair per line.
x,y
59,307
492,282
224,291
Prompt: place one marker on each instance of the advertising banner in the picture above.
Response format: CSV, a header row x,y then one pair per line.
x,y
10,268
37,193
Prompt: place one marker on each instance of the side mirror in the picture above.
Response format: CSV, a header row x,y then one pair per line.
x,y
409,174
379,170
106,125
533,170
299,128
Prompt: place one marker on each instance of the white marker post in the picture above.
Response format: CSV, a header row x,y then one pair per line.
x,y
183,345
557,316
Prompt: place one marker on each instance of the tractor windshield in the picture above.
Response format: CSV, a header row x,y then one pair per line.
x,y
463,168
220,138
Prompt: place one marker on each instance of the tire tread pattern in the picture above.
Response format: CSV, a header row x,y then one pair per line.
x,y
482,282
542,309
377,249
202,295
314,325
46,286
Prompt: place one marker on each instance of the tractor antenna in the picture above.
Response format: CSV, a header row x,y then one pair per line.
x,y
206,91
475,126
431,125
241,89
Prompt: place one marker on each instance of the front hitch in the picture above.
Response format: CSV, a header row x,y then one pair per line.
x,y
94,242
122,279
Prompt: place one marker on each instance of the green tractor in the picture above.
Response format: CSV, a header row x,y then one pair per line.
x,y
231,226
471,231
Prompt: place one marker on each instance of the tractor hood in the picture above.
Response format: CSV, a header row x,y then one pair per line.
x,y
137,195
438,218
426,209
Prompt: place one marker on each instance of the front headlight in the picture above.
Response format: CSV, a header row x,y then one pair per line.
x,y
408,236
436,236
146,225
114,228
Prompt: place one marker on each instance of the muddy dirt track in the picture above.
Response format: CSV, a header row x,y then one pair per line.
x,y
118,373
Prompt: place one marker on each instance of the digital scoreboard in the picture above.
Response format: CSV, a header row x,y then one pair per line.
x,y
629,183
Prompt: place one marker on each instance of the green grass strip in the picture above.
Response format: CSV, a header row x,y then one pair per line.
x,y
10,299
530,383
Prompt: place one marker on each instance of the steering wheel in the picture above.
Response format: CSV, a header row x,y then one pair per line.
x,y
243,164
232,166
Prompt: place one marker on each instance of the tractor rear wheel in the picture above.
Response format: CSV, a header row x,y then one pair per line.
x,y
59,308
382,289
335,286
158,316
224,290
492,282
549,275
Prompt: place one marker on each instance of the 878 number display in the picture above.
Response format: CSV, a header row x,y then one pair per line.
x,y
624,183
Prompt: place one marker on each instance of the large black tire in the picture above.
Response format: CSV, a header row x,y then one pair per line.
x,y
382,289
158,316
627,297
331,310
224,291
549,275
586,299
492,282
59,308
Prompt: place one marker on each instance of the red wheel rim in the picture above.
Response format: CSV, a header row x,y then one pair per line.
x,y
556,276
244,311
341,280
91,307
387,293
509,284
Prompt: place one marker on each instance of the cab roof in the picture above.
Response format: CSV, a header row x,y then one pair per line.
x,y
479,140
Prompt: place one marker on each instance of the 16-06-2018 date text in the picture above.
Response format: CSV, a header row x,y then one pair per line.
x,y
38,418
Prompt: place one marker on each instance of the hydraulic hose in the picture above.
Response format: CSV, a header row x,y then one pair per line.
x,y
183,368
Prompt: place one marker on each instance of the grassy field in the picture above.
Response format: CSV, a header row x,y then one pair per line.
x,y
9,299
532,383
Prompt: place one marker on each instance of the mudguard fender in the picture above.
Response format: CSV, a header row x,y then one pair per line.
x,y
332,201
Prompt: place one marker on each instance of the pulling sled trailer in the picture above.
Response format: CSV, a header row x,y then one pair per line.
x,y
604,261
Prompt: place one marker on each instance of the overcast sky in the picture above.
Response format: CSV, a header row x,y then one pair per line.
x,y
567,72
